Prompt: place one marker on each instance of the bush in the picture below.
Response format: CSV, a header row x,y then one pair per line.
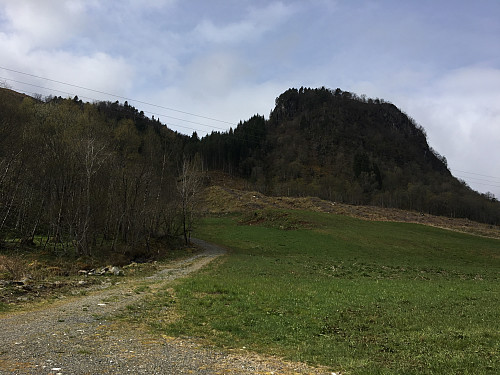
x,y
12,268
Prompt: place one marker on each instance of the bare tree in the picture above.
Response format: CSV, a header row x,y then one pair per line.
x,y
188,186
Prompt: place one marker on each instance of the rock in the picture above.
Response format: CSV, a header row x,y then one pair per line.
x,y
26,279
116,271
82,272
133,264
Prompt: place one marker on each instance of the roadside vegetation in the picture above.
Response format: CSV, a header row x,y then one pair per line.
x,y
360,297
34,275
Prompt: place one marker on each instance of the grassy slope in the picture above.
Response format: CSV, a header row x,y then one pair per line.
x,y
357,296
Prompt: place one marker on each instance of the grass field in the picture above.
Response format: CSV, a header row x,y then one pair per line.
x,y
359,297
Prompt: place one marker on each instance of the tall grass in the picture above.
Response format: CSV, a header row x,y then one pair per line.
x,y
357,296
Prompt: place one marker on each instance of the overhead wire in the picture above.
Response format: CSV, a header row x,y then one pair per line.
x,y
477,174
170,124
212,127
118,96
33,94
96,100
476,182
489,182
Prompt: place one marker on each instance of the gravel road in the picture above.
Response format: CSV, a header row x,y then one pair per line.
x,y
78,336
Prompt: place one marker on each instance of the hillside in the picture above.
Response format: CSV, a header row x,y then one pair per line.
x,y
82,178
220,200
343,148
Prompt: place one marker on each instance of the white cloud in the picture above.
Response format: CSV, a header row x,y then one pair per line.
x,y
215,75
32,41
231,33
150,4
257,22
98,71
230,61
461,115
236,105
44,24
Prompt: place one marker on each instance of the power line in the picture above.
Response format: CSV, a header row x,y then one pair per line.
x,y
472,180
117,96
249,138
477,174
479,179
42,87
183,112
93,99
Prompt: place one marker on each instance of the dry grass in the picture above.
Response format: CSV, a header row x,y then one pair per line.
x,y
12,268
223,200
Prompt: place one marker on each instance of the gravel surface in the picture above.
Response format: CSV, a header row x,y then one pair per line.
x,y
77,336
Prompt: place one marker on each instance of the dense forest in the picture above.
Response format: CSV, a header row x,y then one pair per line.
x,y
345,148
82,177
85,177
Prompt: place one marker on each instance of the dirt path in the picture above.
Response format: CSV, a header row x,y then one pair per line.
x,y
78,337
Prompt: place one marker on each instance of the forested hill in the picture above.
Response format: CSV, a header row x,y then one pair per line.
x,y
104,174
85,177
345,148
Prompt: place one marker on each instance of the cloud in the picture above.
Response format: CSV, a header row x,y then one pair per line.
x,y
461,116
150,4
98,70
44,24
233,106
33,38
257,22
216,74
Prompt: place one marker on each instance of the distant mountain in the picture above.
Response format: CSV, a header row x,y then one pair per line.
x,y
342,147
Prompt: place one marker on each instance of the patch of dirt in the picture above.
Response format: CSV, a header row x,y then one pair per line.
x,y
224,200
18,292
29,287
80,336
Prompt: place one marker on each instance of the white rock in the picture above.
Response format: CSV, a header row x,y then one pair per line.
x,y
116,271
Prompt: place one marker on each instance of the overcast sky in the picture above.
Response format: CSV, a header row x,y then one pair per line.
x,y
437,60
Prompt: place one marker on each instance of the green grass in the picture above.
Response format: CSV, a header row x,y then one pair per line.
x,y
357,296
4,307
